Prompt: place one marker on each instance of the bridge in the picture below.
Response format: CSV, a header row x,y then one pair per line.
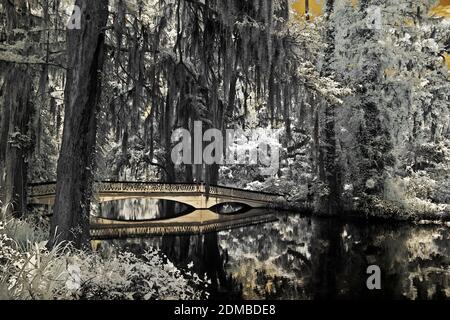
x,y
192,194
201,220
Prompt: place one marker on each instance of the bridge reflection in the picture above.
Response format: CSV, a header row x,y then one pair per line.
x,y
196,222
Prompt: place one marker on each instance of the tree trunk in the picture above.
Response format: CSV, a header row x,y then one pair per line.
x,y
333,202
85,48
15,141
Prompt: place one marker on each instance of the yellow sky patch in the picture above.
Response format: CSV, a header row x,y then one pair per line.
x,y
315,7
447,58
443,9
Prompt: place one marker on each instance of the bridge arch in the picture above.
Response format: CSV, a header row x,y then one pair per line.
x,y
142,208
230,208
108,198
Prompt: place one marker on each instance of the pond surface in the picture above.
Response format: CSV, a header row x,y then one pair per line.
x,y
142,209
302,257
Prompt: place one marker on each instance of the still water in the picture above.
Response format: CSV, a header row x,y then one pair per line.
x,y
303,257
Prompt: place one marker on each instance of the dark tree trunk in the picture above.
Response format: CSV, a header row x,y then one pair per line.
x,y
307,10
287,114
75,172
333,202
15,140
167,123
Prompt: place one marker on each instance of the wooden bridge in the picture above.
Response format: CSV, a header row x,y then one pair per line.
x,y
201,220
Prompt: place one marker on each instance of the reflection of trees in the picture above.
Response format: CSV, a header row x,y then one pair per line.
x,y
280,254
302,258
326,257
204,252
141,209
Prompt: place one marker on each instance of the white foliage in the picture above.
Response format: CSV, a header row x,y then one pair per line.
x,y
64,273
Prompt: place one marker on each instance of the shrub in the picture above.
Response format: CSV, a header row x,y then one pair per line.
x,y
32,272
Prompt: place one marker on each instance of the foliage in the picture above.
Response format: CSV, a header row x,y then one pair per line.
x,y
33,272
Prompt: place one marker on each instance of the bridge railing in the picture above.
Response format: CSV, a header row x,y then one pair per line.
x,y
145,187
43,189
101,187
241,193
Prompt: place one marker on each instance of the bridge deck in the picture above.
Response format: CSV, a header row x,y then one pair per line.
x,y
197,222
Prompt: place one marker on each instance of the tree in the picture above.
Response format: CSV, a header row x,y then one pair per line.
x,y
367,145
75,172
401,90
331,171
15,131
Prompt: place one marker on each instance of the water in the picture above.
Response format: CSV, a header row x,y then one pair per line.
x,y
302,257
142,209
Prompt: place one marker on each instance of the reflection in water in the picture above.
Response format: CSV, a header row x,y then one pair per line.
x,y
230,208
305,258
302,258
141,209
